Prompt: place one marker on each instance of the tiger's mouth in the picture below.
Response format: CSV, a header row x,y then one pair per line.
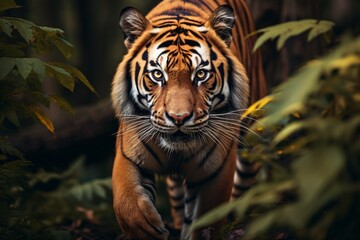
x,y
178,136
181,141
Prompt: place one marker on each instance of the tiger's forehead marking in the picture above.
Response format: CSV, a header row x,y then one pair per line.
x,y
179,46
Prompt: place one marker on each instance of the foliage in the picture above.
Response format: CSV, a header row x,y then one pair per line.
x,y
21,76
46,205
309,148
286,30
34,203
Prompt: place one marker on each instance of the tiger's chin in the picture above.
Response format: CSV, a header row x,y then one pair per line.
x,y
180,142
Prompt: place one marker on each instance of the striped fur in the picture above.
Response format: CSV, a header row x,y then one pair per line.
x,y
179,94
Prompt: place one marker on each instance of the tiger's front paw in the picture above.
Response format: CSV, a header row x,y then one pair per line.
x,y
138,217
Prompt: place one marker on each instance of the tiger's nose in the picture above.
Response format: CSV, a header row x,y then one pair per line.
x,y
178,118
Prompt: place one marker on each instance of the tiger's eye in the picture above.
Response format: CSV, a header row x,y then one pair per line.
x,y
201,74
158,75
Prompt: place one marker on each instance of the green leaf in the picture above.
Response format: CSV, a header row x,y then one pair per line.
x,y
6,26
262,224
38,67
294,28
60,74
75,73
289,29
316,169
267,35
64,47
214,215
51,30
46,38
24,27
8,149
290,129
24,67
43,119
6,65
7,4
290,96
91,191
62,103
320,28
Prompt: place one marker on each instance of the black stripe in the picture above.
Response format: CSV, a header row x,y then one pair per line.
x,y
152,63
151,191
161,36
241,187
178,207
191,199
192,20
192,43
211,176
202,162
231,81
195,34
187,221
217,2
208,178
213,55
146,174
171,188
245,175
137,69
165,44
202,148
246,163
123,152
153,154
222,75
177,198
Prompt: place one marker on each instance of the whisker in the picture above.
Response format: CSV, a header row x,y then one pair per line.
x,y
237,111
236,124
132,127
239,120
232,135
214,138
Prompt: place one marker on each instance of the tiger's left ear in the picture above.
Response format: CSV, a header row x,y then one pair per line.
x,y
132,23
222,21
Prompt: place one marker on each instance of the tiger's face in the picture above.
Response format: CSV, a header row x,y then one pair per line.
x,y
180,77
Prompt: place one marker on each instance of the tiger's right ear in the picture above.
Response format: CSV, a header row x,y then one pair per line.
x,y
222,21
132,23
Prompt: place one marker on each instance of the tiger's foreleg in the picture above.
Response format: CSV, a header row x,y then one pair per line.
x,y
134,196
175,189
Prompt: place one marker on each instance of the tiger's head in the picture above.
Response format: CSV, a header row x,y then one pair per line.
x,y
179,78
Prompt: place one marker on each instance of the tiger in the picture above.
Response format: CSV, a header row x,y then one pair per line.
x,y
179,92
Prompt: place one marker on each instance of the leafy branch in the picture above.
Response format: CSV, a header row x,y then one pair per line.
x,y
309,148
286,30
34,203
21,76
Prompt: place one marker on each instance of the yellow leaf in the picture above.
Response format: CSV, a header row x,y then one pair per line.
x,y
44,120
257,106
